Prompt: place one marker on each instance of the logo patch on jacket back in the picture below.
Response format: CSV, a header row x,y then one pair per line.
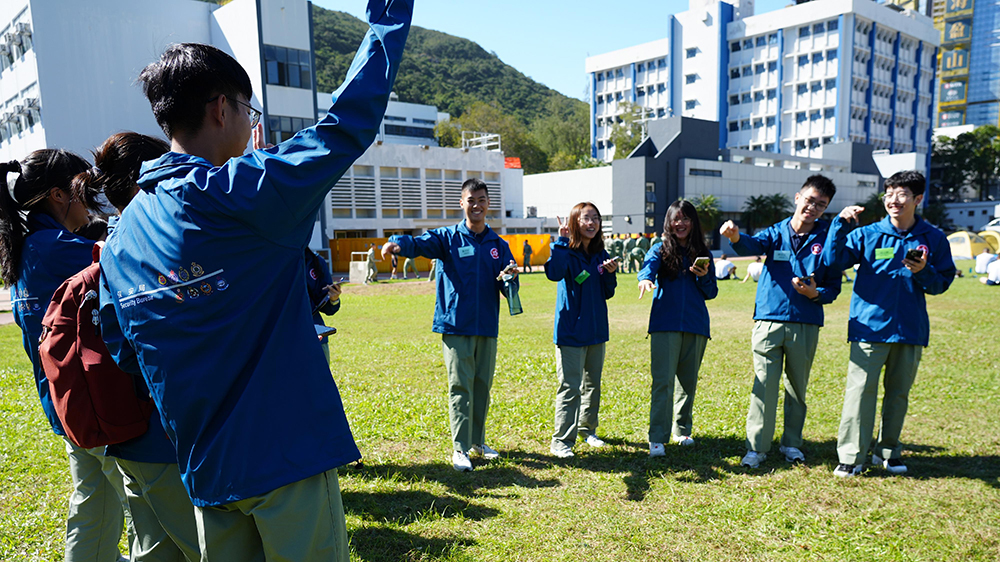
x,y
495,253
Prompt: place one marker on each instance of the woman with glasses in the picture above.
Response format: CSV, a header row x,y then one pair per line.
x,y
586,276
677,271
39,249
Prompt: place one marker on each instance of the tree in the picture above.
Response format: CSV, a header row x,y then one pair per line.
x,y
764,210
709,211
628,130
563,134
489,118
971,159
936,214
874,209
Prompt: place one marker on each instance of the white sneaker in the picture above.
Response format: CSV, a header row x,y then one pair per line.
x,y
753,459
792,454
484,451
461,462
561,450
894,466
657,450
595,441
683,440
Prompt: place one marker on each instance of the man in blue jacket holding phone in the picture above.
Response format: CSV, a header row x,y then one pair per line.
x,y
901,258
470,258
788,314
206,279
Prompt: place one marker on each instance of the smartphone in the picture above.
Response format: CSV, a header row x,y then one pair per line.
x,y
323,331
809,279
617,259
914,254
702,262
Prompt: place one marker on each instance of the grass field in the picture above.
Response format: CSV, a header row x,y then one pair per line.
x,y
697,503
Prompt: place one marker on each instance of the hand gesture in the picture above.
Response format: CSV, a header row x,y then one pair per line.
x,y
916,265
258,139
805,286
563,227
388,249
730,231
645,286
700,271
334,290
850,214
610,266
512,270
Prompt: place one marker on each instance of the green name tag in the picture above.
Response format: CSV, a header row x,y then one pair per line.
x,y
884,253
582,277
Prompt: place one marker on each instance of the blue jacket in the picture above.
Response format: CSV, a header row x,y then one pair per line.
x,y
205,275
317,279
50,255
678,304
888,304
581,306
777,300
468,293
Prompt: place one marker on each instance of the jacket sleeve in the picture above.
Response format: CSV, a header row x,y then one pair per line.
x,y
651,264
755,245
431,244
121,350
609,281
936,277
829,286
556,265
708,284
277,191
841,251
330,308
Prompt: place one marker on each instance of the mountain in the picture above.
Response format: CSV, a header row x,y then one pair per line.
x,y
437,69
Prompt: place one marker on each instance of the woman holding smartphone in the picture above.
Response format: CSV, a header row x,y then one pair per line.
x,y
586,276
677,271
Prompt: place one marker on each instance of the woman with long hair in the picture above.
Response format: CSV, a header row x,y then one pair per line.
x,y
162,513
39,249
680,267
586,276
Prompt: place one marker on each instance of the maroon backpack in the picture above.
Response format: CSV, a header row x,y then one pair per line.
x,y
96,401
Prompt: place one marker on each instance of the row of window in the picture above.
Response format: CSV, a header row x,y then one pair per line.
x,y
818,28
640,91
19,118
16,41
288,67
772,38
281,128
813,143
746,125
747,97
408,131
639,67
817,57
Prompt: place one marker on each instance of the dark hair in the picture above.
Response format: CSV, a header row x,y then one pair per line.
x,y
822,184
116,169
475,184
723,256
185,78
576,239
911,179
39,173
671,252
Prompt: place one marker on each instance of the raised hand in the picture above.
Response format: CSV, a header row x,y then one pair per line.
x,y
258,138
645,286
730,231
563,227
851,213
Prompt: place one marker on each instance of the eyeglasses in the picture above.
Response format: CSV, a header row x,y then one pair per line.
x,y
253,113
589,219
818,205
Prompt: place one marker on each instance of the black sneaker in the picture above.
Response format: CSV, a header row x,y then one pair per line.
x,y
846,470
894,466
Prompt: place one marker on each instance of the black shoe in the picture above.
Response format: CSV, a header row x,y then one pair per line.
x,y
846,470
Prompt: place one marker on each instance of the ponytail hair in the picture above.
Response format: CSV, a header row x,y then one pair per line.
x,y
116,170
39,173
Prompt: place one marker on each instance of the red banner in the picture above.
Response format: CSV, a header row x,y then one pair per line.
x,y
512,162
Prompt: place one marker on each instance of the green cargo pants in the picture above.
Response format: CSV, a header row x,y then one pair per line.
x,y
470,361
673,355
578,399
161,512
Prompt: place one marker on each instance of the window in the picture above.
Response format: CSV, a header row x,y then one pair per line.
x,y
394,118
283,128
800,145
816,86
661,88
760,41
690,53
734,126
772,39
758,96
828,113
827,140
769,147
618,96
745,125
770,121
734,73
405,131
804,31
734,47
831,84
734,100
747,44
690,78
758,123
814,115
819,28
745,98
640,92
609,75
817,57
600,77
800,117
772,93
772,66
650,208
831,54
689,104
831,25
703,172
813,143
639,67
662,63
661,112
600,144
758,69
288,67
747,71
619,73
600,100
803,60
802,88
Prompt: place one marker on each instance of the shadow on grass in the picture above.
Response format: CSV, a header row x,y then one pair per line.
x,y
385,543
486,476
403,507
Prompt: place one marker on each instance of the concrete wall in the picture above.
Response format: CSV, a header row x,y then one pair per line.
x,y
554,194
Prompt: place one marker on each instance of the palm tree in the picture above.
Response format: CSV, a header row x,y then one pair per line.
x,y
874,209
764,210
709,211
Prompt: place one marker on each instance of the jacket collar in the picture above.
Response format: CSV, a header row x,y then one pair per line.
x,y
921,226
488,234
40,220
170,165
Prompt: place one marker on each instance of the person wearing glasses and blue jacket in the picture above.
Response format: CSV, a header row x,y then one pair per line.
x,y
791,292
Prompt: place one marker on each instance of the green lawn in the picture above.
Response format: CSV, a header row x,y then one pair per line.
x,y
406,502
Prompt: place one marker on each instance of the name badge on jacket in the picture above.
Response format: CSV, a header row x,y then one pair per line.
x,y
884,253
782,255
466,251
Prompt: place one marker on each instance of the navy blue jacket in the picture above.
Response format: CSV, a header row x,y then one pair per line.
x,y
50,255
205,275
468,293
581,306
888,304
678,304
317,279
777,300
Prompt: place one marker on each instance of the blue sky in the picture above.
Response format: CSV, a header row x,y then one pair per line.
x,y
547,40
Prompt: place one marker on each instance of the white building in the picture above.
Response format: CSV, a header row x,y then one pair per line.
x,y
786,81
404,123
